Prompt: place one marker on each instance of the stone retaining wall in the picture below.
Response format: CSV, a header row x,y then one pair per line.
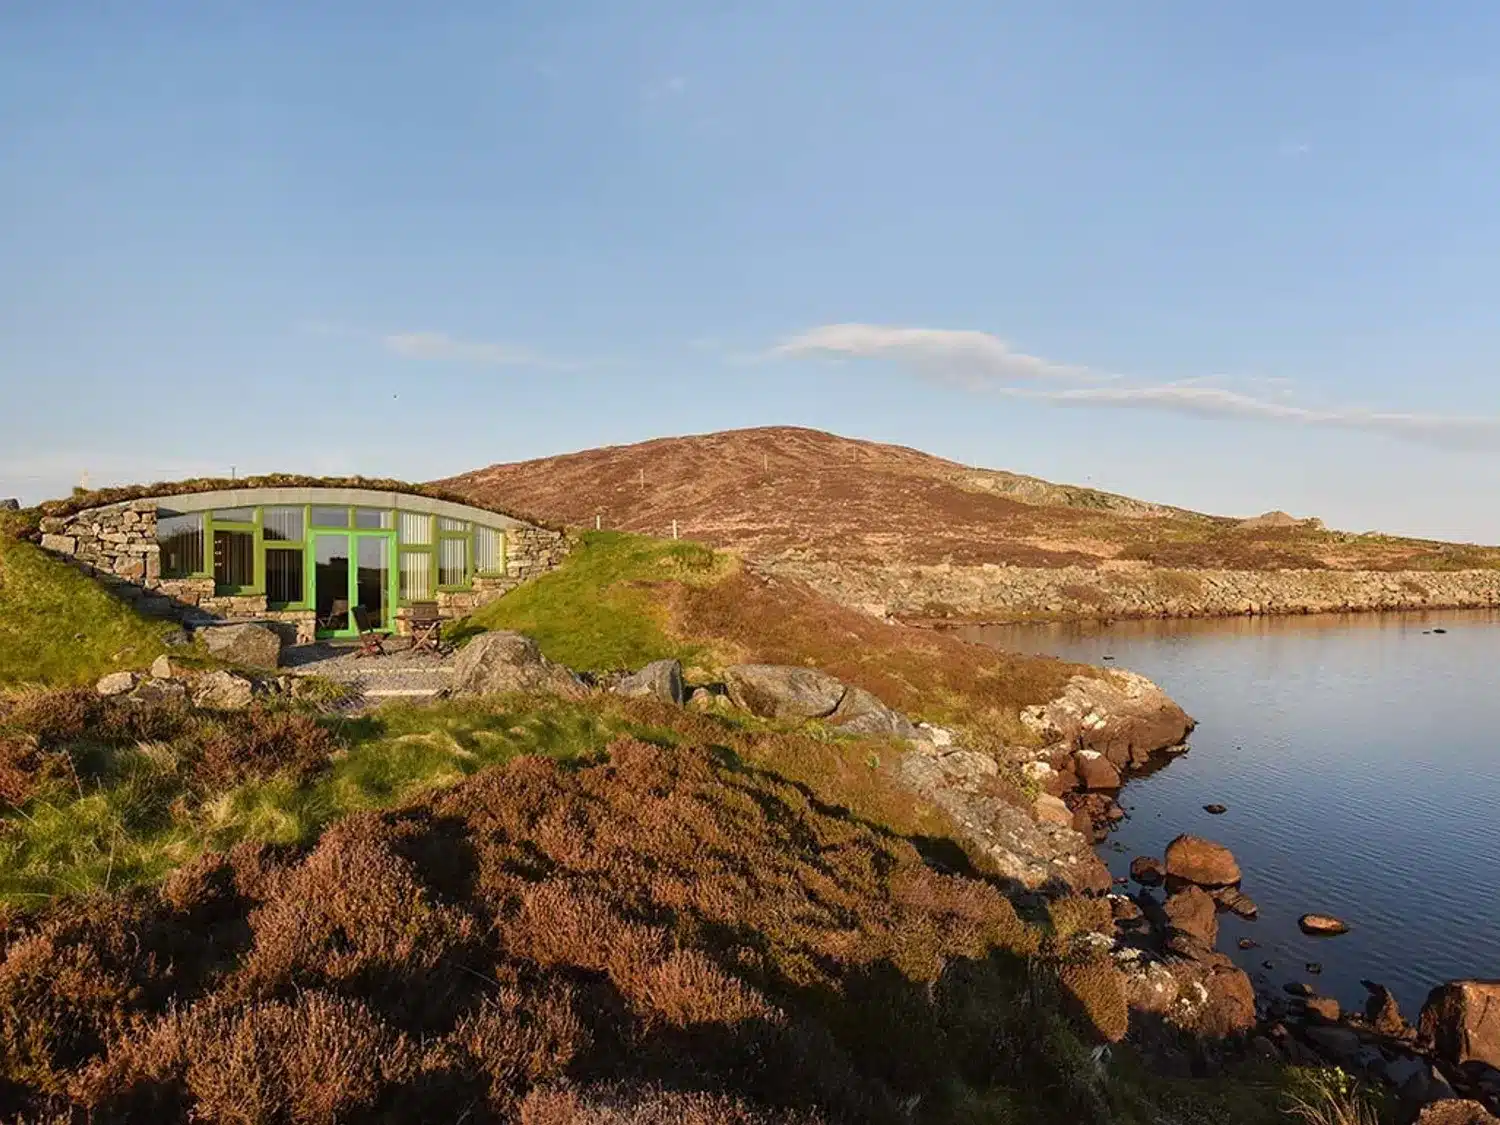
x,y
117,545
1007,593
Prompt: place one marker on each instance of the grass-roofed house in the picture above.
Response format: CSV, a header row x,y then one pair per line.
x,y
305,552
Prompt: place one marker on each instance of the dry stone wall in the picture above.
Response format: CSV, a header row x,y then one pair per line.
x,y
1008,593
117,545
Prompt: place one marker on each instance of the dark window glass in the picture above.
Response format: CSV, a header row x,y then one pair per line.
x,y
234,559
283,576
330,517
371,518
282,525
181,540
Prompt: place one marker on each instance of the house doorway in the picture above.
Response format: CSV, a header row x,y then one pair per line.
x,y
353,570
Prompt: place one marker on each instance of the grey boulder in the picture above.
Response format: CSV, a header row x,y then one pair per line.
x,y
780,691
247,645
661,679
501,662
117,683
223,691
859,712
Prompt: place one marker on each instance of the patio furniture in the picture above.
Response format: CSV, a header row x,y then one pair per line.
x,y
370,643
425,626
337,616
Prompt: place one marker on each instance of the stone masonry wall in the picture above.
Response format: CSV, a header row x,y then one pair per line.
x,y
117,545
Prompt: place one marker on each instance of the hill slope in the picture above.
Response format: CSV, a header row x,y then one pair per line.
x,y
782,491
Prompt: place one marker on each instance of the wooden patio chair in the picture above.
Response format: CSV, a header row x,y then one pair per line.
x,y
337,616
370,643
426,627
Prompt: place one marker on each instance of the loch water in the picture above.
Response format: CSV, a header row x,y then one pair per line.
x,y
1359,758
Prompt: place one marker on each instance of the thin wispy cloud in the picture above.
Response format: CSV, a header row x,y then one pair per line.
x,y
979,361
443,348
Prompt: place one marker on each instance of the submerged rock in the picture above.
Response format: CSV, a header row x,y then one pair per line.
x,y
1204,862
1216,810
1236,902
1147,870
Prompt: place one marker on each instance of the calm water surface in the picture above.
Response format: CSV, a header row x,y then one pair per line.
x,y
1360,759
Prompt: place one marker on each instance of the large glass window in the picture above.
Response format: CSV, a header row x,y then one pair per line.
x,y
446,524
282,525
453,569
330,517
415,529
181,540
234,559
489,551
416,576
372,519
284,566
234,515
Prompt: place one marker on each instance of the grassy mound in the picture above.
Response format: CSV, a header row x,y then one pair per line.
x,y
619,601
665,934
59,627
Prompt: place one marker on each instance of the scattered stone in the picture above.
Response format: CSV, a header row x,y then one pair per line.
x,y
1236,902
1147,870
1216,810
501,662
1297,988
1315,968
661,679
860,712
1191,911
1440,632
247,645
705,701
1323,1009
1196,860
1382,1010
221,691
1460,1022
778,691
1126,912
1246,943
1322,925
162,668
117,683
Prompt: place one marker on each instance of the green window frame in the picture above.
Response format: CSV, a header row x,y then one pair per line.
x,y
212,526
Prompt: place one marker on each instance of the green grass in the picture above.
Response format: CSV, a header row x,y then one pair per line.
x,y
59,627
127,815
595,612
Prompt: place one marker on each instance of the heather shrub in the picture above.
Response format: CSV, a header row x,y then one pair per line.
x,y
1094,996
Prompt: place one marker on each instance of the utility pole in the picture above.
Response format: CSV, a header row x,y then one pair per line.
x,y
674,529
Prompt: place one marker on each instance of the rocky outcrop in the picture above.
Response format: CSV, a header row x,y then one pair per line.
x,y
661,679
1121,715
247,645
222,691
1460,1022
501,662
1122,589
1452,1112
1193,859
859,712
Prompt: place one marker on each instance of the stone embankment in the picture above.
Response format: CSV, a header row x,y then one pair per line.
x,y
1000,594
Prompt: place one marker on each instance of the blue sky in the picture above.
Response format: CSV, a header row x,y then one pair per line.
x,y
1231,256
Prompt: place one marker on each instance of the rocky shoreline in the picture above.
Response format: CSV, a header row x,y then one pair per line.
x,y
946,594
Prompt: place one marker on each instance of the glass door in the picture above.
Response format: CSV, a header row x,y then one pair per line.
x,y
371,592
331,581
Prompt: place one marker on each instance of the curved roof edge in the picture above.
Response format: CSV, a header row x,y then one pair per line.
x,y
171,493
363,497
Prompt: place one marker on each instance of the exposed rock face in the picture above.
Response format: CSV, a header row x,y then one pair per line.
x,y
495,663
1383,1012
248,645
777,691
1461,1022
161,691
859,712
9,504
1120,714
1236,902
117,683
1032,855
1196,860
661,679
223,691
1456,1113
1324,1009
1095,771
1052,810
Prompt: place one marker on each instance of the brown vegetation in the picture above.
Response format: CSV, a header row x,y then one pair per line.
x,y
671,935
782,493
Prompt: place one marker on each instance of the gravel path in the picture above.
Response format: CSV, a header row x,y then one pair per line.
x,y
396,675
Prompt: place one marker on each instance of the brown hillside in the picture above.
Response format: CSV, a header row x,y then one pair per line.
x,y
781,492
